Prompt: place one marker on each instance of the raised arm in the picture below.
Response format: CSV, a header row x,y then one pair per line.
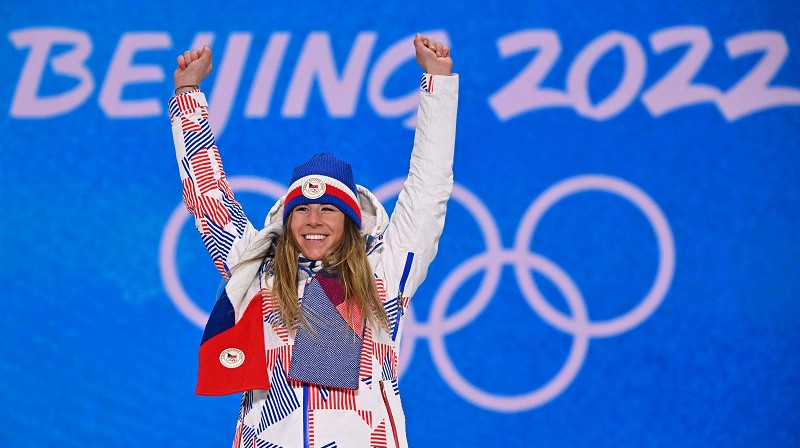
x,y
219,218
418,218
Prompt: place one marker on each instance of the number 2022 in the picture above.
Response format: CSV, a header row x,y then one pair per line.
x,y
675,90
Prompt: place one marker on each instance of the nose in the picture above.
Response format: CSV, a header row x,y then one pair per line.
x,y
314,217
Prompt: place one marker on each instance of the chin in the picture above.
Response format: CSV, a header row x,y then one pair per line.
x,y
314,254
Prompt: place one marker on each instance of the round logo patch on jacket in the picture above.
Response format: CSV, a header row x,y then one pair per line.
x,y
313,188
231,358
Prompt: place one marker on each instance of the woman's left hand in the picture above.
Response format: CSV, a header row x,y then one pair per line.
x,y
433,56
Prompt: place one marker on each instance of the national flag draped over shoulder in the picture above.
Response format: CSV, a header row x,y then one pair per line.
x,y
220,372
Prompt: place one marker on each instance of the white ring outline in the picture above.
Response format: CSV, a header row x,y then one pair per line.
x,y
412,329
546,392
167,250
663,233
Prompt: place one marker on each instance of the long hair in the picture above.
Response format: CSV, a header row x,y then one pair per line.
x,y
347,258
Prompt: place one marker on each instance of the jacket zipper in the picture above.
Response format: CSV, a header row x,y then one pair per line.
x,y
306,441
403,279
391,417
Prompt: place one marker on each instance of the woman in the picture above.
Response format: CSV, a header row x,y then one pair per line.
x,y
309,323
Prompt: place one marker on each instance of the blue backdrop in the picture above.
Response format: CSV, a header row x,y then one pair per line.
x,y
620,261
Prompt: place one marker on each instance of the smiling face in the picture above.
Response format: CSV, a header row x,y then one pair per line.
x,y
316,228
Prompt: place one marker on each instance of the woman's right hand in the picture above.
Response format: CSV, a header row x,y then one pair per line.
x,y
193,67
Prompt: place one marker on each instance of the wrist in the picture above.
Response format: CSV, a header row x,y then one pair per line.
x,y
185,88
438,69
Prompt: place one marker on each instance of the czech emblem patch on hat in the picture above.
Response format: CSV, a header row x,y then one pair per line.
x,y
313,188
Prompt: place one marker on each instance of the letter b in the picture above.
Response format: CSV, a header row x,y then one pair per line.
x,y
26,102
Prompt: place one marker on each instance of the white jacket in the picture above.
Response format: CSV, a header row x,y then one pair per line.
x,y
240,339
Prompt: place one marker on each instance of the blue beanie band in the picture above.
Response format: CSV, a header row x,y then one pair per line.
x,y
324,179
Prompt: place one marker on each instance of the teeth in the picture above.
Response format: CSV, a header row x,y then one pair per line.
x,y
315,237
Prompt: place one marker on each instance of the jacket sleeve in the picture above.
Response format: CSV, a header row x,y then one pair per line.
x,y
412,238
219,218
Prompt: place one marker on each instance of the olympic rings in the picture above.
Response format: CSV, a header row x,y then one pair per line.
x,y
492,260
